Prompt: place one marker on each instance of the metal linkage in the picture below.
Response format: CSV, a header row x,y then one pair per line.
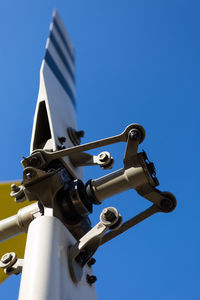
x,y
46,178
84,249
42,158
130,223
103,159
11,264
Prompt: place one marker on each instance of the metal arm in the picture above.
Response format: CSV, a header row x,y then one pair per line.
x,y
84,249
41,158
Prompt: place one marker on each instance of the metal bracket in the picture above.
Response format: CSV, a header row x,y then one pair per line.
x,y
11,264
103,159
41,185
42,158
84,249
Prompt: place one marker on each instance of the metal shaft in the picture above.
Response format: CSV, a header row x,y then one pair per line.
x,y
18,223
118,181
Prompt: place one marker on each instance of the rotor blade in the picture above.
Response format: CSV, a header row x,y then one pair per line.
x,y
55,116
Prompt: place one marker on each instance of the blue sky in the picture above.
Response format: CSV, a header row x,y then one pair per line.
x,y
136,61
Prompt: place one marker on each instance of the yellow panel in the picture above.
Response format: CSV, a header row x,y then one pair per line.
x,y
8,208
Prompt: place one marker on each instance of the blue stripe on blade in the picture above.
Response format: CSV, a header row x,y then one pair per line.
x,y
54,68
61,55
63,39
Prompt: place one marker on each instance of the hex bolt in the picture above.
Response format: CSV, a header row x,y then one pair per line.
x,y
91,279
6,258
14,188
109,215
62,139
134,135
91,262
103,157
80,133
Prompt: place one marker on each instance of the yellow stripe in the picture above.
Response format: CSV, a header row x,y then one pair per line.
x,y
8,208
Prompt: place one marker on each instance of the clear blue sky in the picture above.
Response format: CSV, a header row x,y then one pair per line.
x,y
136,61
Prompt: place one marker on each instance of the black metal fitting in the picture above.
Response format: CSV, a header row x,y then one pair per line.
x,y
80,133
91,262
150,167
91,279
75,136
72,202
78,197
168,203
62,139
84,256
135,134
91,198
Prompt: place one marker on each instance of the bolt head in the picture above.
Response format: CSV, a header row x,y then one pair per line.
x,y
91,279
103,157
62,139
91,262
109,215
6,258
80,133
134,135
14,188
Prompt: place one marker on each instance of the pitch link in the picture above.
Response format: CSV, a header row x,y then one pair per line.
x,y
100,143
84,249
130,223
41,158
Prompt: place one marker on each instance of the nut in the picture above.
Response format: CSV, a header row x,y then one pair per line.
x,y
103,157
14,188
91,279
6,258
109,215
91,262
